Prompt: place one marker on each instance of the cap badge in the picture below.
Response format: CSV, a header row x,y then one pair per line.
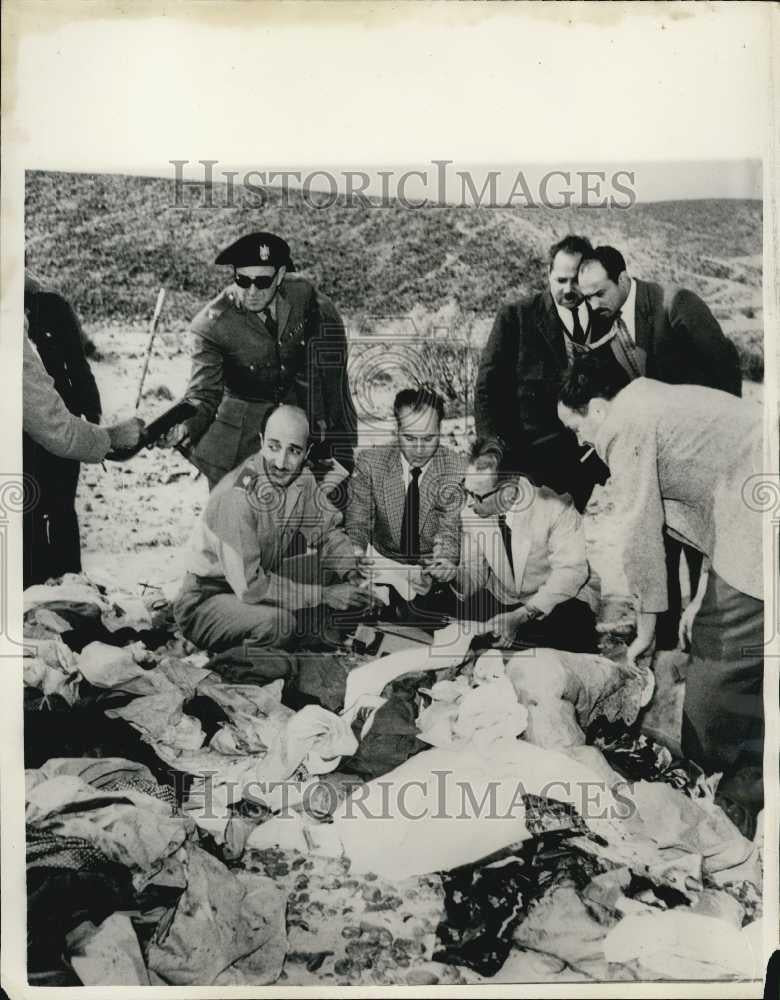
x,y
265,251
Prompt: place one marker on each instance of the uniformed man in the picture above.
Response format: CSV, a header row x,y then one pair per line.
x,y
244,582
267,338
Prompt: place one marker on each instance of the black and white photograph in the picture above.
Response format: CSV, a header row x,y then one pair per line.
x,y
390,568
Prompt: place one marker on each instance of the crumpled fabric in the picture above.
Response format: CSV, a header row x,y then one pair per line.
x,y
680,945
52,670
308,678
593,685
480,716
73,587
314,737
112,774
391,740
117,668
227,929
161,721
695,826
128,827
108,954
425,816
60,896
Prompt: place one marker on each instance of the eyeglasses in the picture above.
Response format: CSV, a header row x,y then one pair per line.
x,y
261,281
479,497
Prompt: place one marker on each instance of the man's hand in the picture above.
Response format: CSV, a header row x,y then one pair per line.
x,y
420,585
442,570
177,437
341,596
644,645
126,434
505,626
686,626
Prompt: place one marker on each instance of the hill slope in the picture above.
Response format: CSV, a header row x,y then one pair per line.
x,y
110,241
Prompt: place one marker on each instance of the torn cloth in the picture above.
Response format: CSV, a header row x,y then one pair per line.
x,y
227,929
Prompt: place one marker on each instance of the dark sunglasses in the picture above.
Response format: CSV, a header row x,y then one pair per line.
x,y
261,282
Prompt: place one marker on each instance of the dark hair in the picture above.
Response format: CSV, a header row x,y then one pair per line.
x,y
418,399
611,260
570,244
596,375
272,409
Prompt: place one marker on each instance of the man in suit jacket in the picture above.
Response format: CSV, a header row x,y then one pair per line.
x,y
523,566
666,333
684,458
530,346
405,497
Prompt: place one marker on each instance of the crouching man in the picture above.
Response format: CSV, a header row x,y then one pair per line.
x,y
523,567
241,585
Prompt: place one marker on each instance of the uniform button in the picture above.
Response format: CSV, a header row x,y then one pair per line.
x,y
283,368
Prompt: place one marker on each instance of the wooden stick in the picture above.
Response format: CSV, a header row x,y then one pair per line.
x,y
150,344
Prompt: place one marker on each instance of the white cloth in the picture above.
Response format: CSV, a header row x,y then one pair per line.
x,y
677,944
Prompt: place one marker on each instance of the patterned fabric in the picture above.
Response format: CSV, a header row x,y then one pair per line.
x,y
49,850
376,502
632,359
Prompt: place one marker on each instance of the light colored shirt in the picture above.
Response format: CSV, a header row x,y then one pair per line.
x,y
406,471
49,422
628,312
249,525
568,319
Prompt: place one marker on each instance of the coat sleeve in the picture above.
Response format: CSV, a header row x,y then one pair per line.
x,y
449,500
235,528
361,505
713,357
336,551
340,414
80,371
494,386
49,422
633,461
568,561
206,384
315,376
473,568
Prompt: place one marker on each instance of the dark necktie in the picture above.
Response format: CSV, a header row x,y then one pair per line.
x,y
506,535
577,333
270,323
410,525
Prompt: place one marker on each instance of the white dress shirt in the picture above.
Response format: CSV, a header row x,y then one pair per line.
x,y
568,320
406,470
628,312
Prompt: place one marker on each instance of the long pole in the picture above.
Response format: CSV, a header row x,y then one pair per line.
x,y
150,344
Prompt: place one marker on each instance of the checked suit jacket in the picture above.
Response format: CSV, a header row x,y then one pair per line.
x,y
376,502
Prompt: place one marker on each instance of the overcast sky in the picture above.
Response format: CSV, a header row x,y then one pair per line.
x,y
253,85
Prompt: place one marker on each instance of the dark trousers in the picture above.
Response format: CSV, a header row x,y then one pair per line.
x,y
723,712
571,625
52,545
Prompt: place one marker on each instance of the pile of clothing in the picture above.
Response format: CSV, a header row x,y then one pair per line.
x,y
515,783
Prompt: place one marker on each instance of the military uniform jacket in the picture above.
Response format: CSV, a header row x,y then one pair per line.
x,y
249,526
240,367
376,502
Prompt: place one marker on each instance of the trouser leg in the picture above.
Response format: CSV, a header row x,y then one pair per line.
x,y
723,712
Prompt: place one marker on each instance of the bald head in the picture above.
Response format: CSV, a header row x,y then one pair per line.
x,y
284,444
